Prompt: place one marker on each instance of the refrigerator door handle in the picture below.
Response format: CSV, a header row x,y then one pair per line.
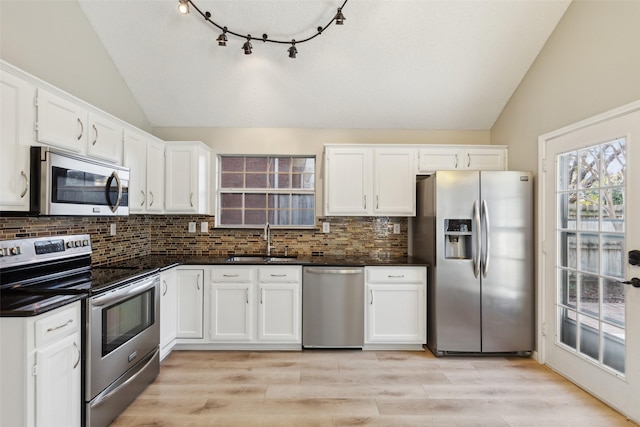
x,y
487,239
478,235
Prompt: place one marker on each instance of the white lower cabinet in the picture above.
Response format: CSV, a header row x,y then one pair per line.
x,y
41,369
190,295
395,307
256,306
168,311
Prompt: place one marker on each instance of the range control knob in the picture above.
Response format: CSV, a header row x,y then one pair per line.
x,y
69,244
78,243
14,251
85,242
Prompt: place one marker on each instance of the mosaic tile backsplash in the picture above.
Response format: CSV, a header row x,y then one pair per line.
x,y
139,235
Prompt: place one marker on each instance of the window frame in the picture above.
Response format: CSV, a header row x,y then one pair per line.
x,y
268,191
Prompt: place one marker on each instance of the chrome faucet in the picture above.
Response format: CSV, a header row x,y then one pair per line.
x,y
267,237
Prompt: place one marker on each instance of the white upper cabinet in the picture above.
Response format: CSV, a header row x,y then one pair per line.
x,y
61,123
452,157
144,156
105,138
16,134
369,181
187,177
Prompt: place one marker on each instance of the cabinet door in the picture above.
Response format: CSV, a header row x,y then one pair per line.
x,y
58,383
279,316
16,135
486,158
433,159
61,123
190,303
395,314
105,139
135,158
394,182
155,176
168,311
181,179
348,187
232,308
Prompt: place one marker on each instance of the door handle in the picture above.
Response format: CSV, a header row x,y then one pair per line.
x,y
635,282
634,257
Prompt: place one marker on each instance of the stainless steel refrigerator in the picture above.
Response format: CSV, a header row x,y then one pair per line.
x,y
475,229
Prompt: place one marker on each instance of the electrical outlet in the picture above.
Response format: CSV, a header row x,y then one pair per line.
x,y
192,227
396,228
204,227
326,227
112,229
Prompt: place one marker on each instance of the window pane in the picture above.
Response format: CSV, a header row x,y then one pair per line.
x,y
255,201
257,164
567,326
613,351
567,209
232,180
279,201
589,336
613,255
231,216
231,200
568,288
614,162
567,171
256,180
589,167
279,217
302,201
232,164
589,294
589,205
568,250
255,217
589,252
613,209
613,306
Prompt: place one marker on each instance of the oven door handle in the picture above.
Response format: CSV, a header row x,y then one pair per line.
x,y
122,293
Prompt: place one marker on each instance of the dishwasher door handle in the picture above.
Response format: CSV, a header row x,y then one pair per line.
x,y
334,270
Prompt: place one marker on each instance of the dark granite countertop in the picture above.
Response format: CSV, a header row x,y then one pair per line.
x,y
164,262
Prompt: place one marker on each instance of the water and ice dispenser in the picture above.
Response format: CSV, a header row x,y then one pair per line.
x,y
457,238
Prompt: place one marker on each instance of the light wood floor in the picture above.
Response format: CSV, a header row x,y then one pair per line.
x,y
360,388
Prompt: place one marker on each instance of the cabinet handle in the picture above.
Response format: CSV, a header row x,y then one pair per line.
x,y
166,288
365,201
371,294
230,275
468,160
278,275
191,199
377,201
246,294
55,328
397,276
75,365
95,129
26,184
198,282
261,295
81,129
152,198
143,198
456,165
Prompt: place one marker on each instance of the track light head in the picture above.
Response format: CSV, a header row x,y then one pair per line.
x,y
339,17
222,38
183,7
292,50
247,46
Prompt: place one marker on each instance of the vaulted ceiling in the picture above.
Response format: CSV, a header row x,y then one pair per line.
x,y
403,64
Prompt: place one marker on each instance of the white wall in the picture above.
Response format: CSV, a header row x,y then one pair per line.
x,y
54,41
589,65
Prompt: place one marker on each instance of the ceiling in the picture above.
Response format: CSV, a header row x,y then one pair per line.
x,y
401,64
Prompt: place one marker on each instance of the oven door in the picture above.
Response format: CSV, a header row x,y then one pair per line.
x,y
123,328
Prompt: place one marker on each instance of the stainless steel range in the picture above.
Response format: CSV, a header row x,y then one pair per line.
x,y
120,343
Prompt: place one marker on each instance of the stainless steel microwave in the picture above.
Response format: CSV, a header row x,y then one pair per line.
x,y
69,184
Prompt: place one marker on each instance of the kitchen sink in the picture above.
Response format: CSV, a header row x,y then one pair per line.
x,y
259,259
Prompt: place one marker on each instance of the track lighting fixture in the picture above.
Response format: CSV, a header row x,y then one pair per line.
x,y
292,50
222,39
183,7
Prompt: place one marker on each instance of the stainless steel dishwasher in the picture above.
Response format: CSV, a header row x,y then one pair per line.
x,y
332,307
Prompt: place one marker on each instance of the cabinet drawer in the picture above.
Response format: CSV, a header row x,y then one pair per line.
x,y
58,325
279,274
395,275
232,274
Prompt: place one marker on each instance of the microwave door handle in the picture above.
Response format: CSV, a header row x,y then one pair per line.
x,y
114,175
